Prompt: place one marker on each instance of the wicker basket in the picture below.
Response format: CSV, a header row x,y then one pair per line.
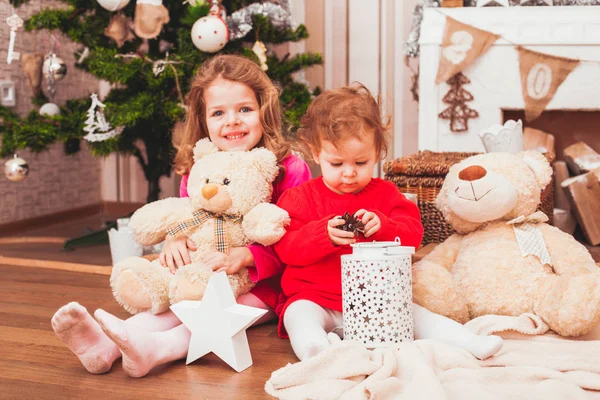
x,y
423,174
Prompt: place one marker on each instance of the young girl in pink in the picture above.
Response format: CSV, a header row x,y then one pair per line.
x,y
343,132
234,103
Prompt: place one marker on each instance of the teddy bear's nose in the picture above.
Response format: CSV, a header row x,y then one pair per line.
x,y
209,191
472,173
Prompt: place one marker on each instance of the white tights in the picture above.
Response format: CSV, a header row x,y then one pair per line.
x,y
307,325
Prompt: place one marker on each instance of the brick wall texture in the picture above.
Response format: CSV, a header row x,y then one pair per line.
x,y
57,182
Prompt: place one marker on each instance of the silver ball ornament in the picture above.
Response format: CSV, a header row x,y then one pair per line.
x,y
54,67
16,169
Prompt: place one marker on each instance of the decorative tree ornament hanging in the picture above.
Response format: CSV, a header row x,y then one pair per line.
x,y
14,22
49,109
54,69
210,33
150,16
458,113
240,22
411,46
113,5
16,169
32,68
119,29
260,50
97,127
83,55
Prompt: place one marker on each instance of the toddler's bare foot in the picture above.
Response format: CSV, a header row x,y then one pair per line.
x,y
76,328
137,347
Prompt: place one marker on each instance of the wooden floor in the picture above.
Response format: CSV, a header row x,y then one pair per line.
x,y
34,364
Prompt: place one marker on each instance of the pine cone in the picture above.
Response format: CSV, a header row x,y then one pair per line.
x,y
352,224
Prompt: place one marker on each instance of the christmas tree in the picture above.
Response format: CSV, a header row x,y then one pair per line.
x,y
150,76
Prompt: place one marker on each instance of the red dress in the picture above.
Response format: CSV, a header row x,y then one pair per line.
x,y
313,264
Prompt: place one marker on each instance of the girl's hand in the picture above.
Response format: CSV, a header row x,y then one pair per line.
x,y
337,236
175,253
371,221
238,258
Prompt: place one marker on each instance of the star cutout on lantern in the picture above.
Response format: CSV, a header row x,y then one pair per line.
x,y
352,306
361,286
218,324
483,3
367,319
526,2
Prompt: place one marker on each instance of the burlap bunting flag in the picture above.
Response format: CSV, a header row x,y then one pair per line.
x,y
541,75
462,44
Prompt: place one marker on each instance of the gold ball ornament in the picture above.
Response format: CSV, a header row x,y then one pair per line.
x,y
113,5
54,67
16,169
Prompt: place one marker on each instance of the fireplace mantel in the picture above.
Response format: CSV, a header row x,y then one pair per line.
x,y
495,80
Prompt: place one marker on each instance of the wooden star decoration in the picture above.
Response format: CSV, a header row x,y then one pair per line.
x,y
218,324
484,3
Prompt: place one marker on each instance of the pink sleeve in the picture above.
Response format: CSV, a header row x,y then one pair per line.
x,y
183,186
266,261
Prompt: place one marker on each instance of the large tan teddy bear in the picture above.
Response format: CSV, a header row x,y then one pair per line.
x,y
491,200
228,207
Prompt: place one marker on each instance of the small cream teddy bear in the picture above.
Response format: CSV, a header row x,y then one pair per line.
x,y
228,207
504,259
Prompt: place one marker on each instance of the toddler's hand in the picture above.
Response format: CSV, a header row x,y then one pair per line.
x,y
175,253
337,236
371,221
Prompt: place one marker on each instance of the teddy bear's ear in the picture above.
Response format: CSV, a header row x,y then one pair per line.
x,y
266,162
204,147
539,165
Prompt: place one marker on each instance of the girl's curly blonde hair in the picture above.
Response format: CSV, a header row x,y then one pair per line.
x,y
237,69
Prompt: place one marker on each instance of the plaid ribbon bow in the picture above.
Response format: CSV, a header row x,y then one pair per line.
x,y
529,237
200,217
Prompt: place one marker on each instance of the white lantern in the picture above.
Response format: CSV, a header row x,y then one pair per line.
x,y
122,242
377,294
113,5
49,109
210,34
